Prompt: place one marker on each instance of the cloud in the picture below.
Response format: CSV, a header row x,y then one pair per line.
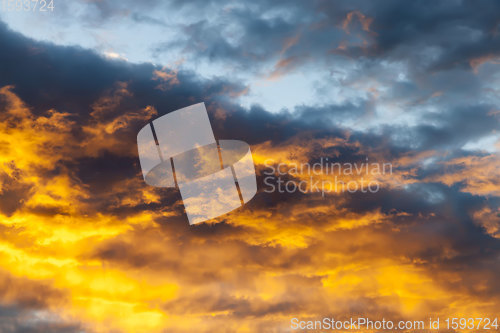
x,y
88,245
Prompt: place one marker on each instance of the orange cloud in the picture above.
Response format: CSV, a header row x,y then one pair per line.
x,y
479,174
475,63
167,77
364,20
113,254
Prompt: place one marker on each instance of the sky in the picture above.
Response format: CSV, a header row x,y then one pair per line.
x,y
87,246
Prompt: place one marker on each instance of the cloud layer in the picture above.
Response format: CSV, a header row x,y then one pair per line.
x,y
86,245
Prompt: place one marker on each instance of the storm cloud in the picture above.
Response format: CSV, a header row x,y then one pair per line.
x,y
87,246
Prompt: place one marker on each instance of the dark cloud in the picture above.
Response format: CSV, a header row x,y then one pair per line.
x,y
24,307
13,193
18,320
282,253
